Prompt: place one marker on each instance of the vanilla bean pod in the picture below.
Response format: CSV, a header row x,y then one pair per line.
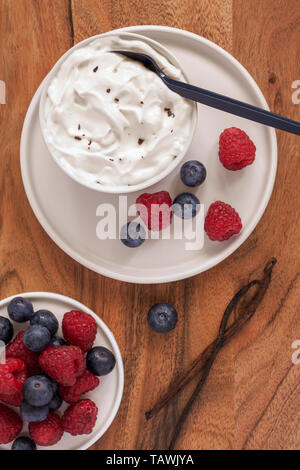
x,y
252,307
205,360
198,364
196,367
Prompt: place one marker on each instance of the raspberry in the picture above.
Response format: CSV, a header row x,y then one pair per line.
x,y
17,349
12,376
155,210
79,329
14,399
16,378
10,424
63,363
47,432
80,418
236,149
85,383
222,221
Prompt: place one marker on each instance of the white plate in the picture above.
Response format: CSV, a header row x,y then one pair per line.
x,y
107,395
67,211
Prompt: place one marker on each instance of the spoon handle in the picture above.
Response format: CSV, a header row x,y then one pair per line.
x,y
229,105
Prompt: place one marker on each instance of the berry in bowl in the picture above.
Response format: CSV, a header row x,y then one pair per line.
x,y
61,377
109,122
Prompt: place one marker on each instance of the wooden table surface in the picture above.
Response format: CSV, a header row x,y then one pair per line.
x,y
252,397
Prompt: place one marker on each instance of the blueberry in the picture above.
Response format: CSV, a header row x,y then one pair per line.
x,y
23,443
132,234
55,403
193,173
46,319
20,309
186,205
6,330
57,341
54,384
36,338
162,317
38,390
100,361
33,414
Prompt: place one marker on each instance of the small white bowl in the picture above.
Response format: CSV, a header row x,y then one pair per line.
x,y
106,188
107,395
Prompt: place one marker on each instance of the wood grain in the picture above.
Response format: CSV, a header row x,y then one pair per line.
x,y
267,384
252,398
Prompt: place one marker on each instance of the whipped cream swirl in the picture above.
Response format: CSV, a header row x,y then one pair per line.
x,y
111,121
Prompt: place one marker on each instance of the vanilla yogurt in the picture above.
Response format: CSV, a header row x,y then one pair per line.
x,y
109,120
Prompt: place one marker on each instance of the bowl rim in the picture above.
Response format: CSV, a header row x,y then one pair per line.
x,y
155,179
110,336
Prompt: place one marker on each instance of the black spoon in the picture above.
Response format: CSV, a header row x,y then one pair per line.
x,y
215,100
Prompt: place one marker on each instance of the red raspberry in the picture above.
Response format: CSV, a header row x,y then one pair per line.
x,y
80,418
14,399
222,221
236,149
47,432
63,363
10,424
12,376
79,329
17,349
155,210
85,383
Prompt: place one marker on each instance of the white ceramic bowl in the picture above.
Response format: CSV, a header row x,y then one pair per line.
x,y
107,188
107,395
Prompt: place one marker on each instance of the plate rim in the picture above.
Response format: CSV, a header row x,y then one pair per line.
x,y
175,276
103,327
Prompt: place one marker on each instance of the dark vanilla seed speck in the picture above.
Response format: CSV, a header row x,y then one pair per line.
x,y
169,112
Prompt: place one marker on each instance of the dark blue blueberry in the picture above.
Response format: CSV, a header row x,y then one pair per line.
x,y
193,173
33,414
38,390
55,403
20,309
162,317
57,341
36,338
55,385
46,319
186,205
132,234
6,330
23,443
100,361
